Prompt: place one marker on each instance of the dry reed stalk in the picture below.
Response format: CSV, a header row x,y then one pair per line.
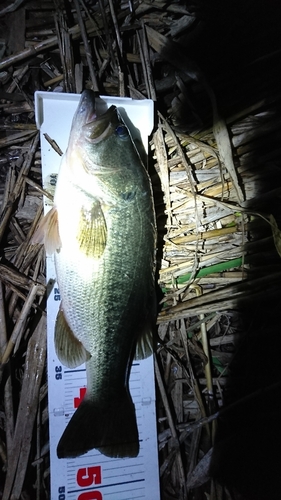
x,y
87,48
181,230
175,449
19,326
8,389
16,139
65,49
51,42
18,186
34,366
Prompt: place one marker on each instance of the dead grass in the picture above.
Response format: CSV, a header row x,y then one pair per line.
x,y
213,217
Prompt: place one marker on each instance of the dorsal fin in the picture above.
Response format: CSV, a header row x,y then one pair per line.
x,y
47,232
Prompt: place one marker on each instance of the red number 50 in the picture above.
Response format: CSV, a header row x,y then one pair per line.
x,y
90,495
87,476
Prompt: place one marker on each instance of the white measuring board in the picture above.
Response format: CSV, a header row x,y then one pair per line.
x,y
93,476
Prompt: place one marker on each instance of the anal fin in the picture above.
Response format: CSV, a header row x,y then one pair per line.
x,y
69,349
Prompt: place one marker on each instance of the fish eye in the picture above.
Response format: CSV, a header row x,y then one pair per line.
x,y
122,131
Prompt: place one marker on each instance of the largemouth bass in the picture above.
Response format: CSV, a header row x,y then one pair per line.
x,y
102,230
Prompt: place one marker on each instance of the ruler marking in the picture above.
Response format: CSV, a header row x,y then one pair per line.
x,y
120,467
127,498
124,475
109,464
75,371
136,492
101,486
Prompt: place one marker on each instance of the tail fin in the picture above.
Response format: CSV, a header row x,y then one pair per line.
x,y
110,428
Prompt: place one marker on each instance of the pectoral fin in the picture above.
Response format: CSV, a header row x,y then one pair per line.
x,y
47,232
92,231
69,349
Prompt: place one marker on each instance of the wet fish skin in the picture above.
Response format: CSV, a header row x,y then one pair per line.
x,y
105,263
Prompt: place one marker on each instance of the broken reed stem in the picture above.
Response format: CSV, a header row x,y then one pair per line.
x,y
38,263
15,139
28,407
219,299
3,332
3,455
109,41
52,81
16,79
38,188
29,52
182,156
194,449
19,261
207,367
8,389
116,27
91,19
50,43
213,233
169,418
64,49
11,276
205,345
120,55
18,186
190,378
164,399
148,70
224,145
22,250
143,63
87,47
162,160
9,184
53,144
18,329
38,452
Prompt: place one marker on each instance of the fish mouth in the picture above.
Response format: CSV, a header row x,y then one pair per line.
x,y
97,128
91,121
86,110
